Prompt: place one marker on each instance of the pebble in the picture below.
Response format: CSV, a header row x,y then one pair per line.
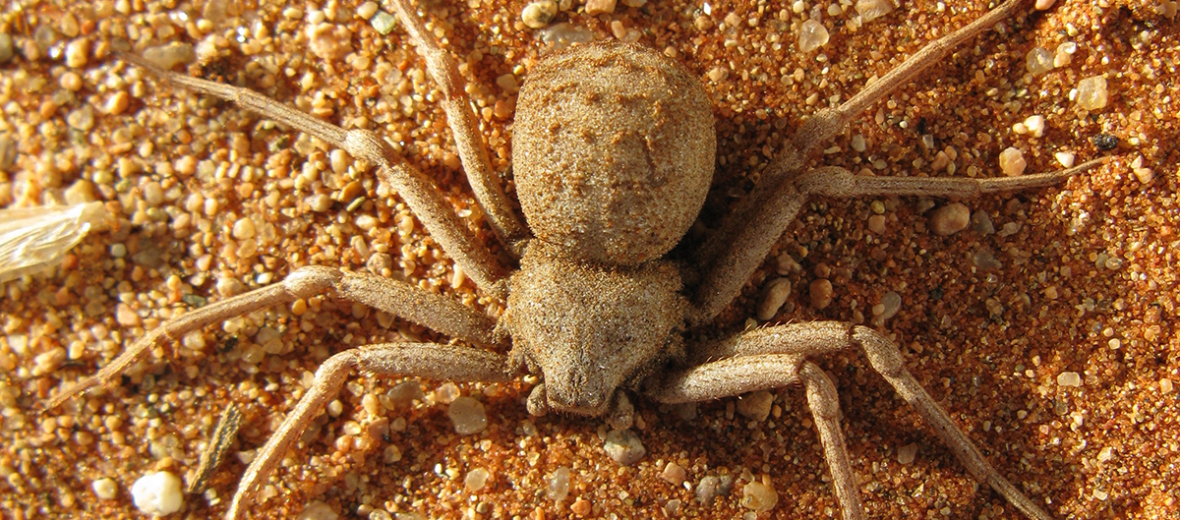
x,y
244,229
468,415
171,55
367,10
1105,142
821,293
950,219
1065,158
1042,5
624,447
158,494
1092,93
594,7
476,479
907,453
890,305
707,490
537,15
1071,379
383,22
558,484
759,497
1166,386
117,103
981,223
877,224
986,260
812,35
581,507
104,488
1012,162
76,53
773,297
674,474
317,511
7,48
1038,61
126,316
870,10
81,119
755,405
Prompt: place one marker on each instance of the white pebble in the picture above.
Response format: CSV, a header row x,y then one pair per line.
x,y
158,494
1042,5
558,484
468,415
773,297
1035,125
1012,162
104,488
812,35
1038,61
1092,93
537,15
624,447
475,480
1065,158
1069,379
870,10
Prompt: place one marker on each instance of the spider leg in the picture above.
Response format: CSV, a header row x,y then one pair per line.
x,y
776,356
473,152
733,267
426,360
759,221
411,185
436,312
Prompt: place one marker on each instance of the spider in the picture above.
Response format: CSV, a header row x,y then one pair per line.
x,y
595,310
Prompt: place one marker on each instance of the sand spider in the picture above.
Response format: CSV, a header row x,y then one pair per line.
x,y
614,152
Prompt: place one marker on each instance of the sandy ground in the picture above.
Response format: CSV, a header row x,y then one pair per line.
x,y
1084,283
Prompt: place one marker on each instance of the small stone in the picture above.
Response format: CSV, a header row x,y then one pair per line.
x,y
950,219
907,453
985,260
981,222
244,229
329,41
891,304
858,143
117,103
870,10
581,507
383,23
594,7
759,497
557,484
537,15
707,490
468,415
158,494
1042,5
1064,54
1166,386
1092,93
755,405
1065,159
171,55
674,474
475,480
1035,125
7,48
1038,61
105,488
1071,379
812,35
367,10
126,316
877,224
773,297
821,293
81,119
76,53
317,511
1012,162
624,447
